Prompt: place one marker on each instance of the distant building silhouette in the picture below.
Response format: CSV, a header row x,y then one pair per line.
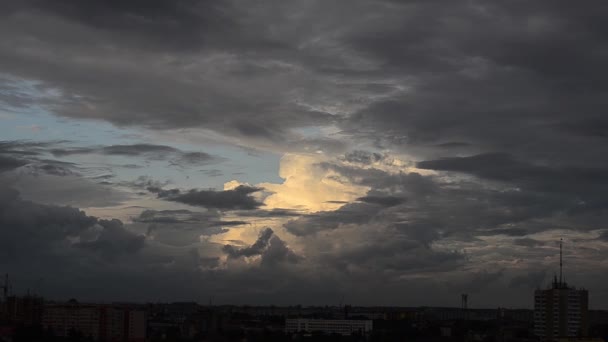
x,y
22,310
96,321
561,311
344,327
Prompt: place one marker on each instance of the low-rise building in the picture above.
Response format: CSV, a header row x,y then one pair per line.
x,y
329,326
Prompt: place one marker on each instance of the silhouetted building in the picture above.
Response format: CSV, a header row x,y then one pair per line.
x,y
25,310
95,321
561,311
344,327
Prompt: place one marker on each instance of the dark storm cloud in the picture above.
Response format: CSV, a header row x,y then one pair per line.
x,y
194,158
592,127
114,239
149,151
40,229
158,22
387,259
387,201
589,183
498,166
264,213
603,236
509,94
434,209
362,157
238,198
378,179
513,86
509,83
26,147
55,169
210,218
137,149
255,249
423,231
9,163
146,183
76,253
453,144
14,154
154,51
181,228
24,166
268,246
354,213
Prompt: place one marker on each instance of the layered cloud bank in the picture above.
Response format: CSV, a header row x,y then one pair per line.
x,y
291,152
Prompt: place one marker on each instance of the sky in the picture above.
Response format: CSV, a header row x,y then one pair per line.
x,y
303,152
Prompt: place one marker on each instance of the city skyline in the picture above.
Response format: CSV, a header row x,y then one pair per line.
x,y
376,153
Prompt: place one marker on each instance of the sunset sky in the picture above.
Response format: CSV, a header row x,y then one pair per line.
x,y
281,152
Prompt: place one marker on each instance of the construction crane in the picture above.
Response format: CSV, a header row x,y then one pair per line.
x,y
5,287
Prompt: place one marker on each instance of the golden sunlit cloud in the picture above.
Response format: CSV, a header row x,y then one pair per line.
x,y
309,187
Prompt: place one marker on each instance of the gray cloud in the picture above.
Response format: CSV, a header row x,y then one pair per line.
x,y
236,199
603,236
268,246
148,151
53,167
63,188
169,100
137,149
210,218
182,227
586,183
255,249
505,100
113,239
25,147
531,280
387,201
14,154
40,229
354,213
9,163
362,157
268,213
527,242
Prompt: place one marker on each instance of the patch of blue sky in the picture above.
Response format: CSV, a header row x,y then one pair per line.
x,y
232,163
311,131
32,122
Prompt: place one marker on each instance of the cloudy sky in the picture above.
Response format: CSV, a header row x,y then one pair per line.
x,y
299,152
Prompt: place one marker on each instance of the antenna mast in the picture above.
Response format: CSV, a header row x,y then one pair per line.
x,y
560,262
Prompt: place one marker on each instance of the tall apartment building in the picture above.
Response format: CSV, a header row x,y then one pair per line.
x,y
95,321
561,311
22,310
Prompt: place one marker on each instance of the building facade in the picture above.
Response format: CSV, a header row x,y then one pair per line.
x,y
25,310
95,321
343,327
560,312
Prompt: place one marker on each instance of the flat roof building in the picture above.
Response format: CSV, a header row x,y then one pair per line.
x,y
561,311
95,321
343,327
